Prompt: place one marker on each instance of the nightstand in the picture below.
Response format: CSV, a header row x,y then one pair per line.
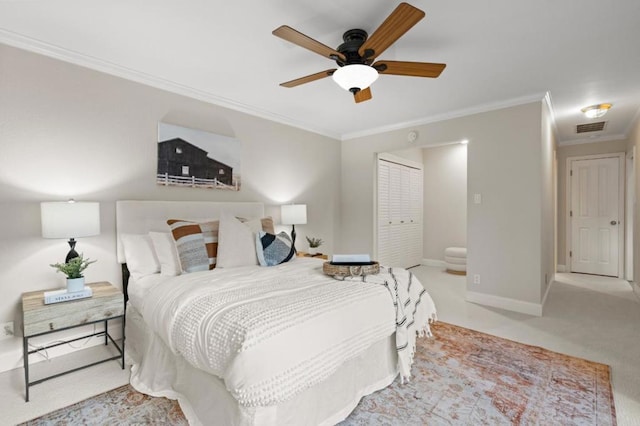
x,y
317,256
106,303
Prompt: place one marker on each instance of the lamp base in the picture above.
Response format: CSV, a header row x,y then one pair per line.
x,y
293,238
72,253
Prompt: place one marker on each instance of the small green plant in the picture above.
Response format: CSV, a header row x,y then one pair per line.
x,y
314,242
74,267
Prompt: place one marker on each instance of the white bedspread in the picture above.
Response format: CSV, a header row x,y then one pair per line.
x,y
269,333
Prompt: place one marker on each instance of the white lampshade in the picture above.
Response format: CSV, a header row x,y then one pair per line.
x,y
69,219
294,214
356,76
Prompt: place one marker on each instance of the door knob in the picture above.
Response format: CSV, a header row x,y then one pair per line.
x,y
614,222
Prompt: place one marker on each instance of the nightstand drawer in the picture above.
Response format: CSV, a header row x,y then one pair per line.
x,y
106,302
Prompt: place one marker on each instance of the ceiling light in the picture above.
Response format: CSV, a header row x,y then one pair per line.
x,y
355,77
595,111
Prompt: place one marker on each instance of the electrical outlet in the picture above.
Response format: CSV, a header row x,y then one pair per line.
x,y
6,330
476,279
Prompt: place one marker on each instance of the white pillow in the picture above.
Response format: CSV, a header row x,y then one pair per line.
x,y
167,254
237,242
140,254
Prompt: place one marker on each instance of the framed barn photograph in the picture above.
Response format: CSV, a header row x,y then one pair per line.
x,y
199,159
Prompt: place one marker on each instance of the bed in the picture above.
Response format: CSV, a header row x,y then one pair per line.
x,y
255,345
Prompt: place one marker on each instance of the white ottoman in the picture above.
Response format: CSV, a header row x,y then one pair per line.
x,y
455,260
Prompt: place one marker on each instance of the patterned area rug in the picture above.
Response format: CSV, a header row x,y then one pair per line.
x,y
460,377
465,377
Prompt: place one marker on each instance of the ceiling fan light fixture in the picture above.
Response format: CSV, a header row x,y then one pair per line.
x,y
355,76
596,111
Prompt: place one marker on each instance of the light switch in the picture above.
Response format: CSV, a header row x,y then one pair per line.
x,y
477,198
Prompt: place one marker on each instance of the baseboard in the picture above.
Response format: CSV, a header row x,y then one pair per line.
x,y
636,289
505,303
11,349
10,354
433,262
562,268
546,293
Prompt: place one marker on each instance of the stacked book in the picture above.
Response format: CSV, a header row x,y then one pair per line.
x,y
351,259
63,295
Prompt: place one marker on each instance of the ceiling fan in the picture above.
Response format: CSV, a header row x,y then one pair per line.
x,y
355,57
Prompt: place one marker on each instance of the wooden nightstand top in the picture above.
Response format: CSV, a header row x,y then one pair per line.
x,y
106,302
317,256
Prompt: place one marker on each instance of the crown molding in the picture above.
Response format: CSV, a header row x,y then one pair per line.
x,y
20,41
447,116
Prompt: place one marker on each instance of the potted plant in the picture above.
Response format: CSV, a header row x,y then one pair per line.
x,y
314,243
73,270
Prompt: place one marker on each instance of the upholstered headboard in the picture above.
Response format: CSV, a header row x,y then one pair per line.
x,y
140,217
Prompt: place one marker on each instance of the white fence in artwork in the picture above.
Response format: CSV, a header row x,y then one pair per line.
x,y
167,179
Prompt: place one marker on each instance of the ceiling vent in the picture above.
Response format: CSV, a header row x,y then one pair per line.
x,y
590,127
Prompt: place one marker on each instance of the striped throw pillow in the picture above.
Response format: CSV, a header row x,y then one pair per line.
x,y
196,243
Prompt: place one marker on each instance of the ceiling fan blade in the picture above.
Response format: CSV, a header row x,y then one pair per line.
x,y
308,78
287,33
414,69
399,22
362,95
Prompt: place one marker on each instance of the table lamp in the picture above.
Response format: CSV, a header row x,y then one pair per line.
x,y
293,214
70,219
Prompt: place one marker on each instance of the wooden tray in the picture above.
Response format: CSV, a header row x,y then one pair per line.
x,y
341,271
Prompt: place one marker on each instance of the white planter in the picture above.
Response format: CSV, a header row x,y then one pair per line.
x,y
312,250
75,284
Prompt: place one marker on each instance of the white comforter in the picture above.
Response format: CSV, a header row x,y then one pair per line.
x,y
270,333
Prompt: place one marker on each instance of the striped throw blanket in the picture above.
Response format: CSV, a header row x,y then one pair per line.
x,y
414,311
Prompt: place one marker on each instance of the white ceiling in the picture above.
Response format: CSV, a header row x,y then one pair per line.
x,y
498,53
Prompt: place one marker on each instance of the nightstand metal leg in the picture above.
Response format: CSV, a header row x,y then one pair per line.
x,y
25,355
124,319
106,333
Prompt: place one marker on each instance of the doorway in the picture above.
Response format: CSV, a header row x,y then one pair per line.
x,y
595,200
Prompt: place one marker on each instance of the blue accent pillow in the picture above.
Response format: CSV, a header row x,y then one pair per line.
x,y
274,249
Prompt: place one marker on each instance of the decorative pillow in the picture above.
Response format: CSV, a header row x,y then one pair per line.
x,y
165,249
141,257
237,245
266,222
196,243
274,249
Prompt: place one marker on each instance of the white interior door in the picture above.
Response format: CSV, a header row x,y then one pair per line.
x,y
595,216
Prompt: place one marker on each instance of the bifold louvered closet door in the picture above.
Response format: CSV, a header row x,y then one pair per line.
x,y
399,214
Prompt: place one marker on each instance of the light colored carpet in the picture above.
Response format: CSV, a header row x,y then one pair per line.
x,y
460,376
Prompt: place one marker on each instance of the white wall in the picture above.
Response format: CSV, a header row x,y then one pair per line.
x,y
504,165
411,154
548,218
634,141
445,199
67,132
